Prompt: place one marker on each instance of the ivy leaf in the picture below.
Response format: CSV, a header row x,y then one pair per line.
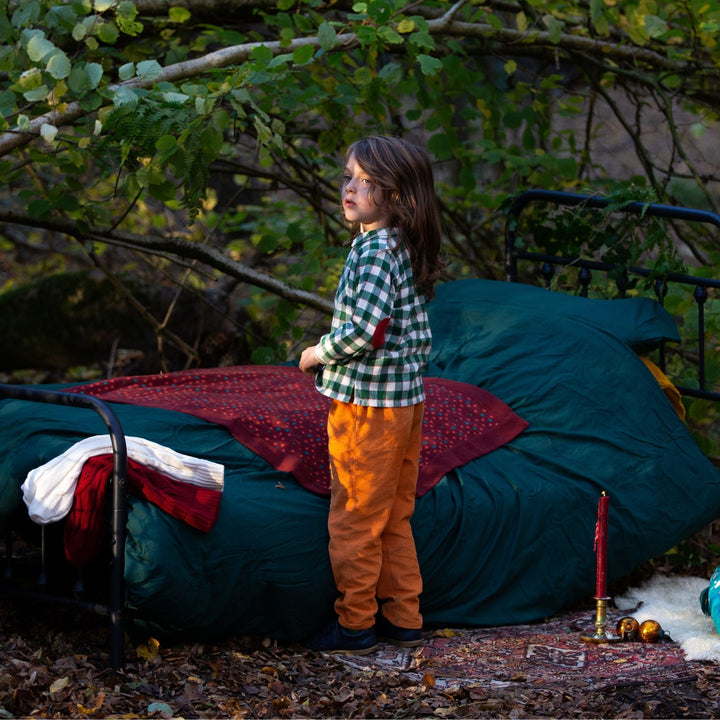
x,y
326,35
164,191
126,71
39,47
493,21
380,11
440,145
279,60
467,179
5,29
521,22
406,25
108,33
268,244
59,65
26,13
363,76
389,35
30,79
296,232
37,94
422,39
179,14
94,72
303,55
555,28
126,12
48,132
80,31
211,141
165,143
429,65
124,97
568,167
261,54
175,98
655,26
149,69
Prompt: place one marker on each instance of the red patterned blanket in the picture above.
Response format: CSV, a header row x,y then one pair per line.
x,y
276,412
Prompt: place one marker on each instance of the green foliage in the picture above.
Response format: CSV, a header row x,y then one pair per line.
x,y
158,134
227,131
623,240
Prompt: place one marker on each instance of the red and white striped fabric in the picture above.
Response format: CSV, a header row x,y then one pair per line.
x,y
74,485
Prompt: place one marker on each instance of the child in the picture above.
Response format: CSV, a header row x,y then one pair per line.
x,y
370,364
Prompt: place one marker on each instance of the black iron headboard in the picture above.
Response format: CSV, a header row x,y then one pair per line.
x,y
700,286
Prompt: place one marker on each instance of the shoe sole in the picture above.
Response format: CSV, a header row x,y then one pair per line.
x,y
402,643
361,651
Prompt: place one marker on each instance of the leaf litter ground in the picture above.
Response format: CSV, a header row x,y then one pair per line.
x,y
55,664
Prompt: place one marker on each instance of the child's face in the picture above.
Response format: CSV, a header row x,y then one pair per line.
x,y
360,203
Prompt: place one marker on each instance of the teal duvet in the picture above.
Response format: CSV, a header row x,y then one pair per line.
x,y
507,538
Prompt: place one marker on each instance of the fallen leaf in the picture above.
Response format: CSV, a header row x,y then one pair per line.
x,y
59,684
160,707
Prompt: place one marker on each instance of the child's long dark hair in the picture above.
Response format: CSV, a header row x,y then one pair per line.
x,y
403,173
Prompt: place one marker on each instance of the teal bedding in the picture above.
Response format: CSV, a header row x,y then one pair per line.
x,y
506,538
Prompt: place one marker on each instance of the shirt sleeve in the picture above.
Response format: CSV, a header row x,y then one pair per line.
x,y
372,306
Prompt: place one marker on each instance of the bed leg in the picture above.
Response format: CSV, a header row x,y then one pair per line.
x,y
42,577
79,586
8,553
117,571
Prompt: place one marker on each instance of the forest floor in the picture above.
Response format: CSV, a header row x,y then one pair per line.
x,y
55,664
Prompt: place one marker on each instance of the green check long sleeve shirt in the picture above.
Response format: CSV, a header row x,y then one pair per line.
x,y
379,341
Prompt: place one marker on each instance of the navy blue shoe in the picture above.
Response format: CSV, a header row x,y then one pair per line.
x,y
334,638
402,637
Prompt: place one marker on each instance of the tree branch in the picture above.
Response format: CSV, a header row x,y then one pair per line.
x,y
446,24
226,57
156,244
589,46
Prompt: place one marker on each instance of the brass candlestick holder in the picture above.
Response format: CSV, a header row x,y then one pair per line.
x,y
601,620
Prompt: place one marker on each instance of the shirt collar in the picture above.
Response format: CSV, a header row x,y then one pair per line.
x,y
379,233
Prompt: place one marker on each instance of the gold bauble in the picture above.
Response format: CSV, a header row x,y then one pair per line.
x,y
627,628
650,631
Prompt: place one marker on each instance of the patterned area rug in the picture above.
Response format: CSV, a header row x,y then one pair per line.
x,y
550,654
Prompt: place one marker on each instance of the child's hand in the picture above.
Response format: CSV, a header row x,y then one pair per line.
x,y
308,361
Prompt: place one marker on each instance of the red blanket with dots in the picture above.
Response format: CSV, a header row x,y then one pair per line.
x,y
276,412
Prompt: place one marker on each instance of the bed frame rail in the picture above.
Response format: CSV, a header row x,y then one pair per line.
x,y
514,254
114,609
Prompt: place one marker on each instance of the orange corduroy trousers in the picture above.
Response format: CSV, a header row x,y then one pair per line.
x,y
374,460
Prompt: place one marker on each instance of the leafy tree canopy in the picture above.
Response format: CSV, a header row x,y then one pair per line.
x,y
198,141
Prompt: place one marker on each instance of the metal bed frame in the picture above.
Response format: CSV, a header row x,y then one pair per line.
x,y
585,267
114,608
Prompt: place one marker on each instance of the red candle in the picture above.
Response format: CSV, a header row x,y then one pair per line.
x,y
601,537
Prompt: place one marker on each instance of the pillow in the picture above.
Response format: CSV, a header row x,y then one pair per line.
x,y
639,322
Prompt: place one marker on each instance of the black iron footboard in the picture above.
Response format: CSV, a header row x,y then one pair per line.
x,y
700,286
114,609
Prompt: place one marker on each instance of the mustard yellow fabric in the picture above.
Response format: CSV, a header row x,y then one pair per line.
x,y
673,394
